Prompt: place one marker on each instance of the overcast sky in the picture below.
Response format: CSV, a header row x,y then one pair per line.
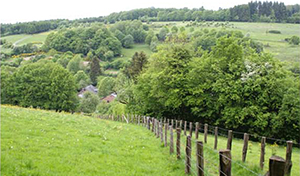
x,y
12,11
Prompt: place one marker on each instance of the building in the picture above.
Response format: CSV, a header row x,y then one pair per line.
x,y
109,98
89,88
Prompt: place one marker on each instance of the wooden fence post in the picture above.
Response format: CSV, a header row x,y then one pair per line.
x,y
229,141
185,128
188,151
191,129
172,123
152,125
176,124
168,121
171,140
161,132
225,162
166,134
216,138
262,152
245,147
180,124
200,158
288,157
196,130
157,128
276,166
205,132
178,130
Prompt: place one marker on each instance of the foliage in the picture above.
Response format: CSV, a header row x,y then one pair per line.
x,y
88,102
105,86
95,70
82,40
42,84
137,64
232,86
127,41
274,32
28,48
75,64
82,80
294,40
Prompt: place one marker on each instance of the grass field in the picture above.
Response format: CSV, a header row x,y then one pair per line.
x,y
37,142
252,159
257,31
22,39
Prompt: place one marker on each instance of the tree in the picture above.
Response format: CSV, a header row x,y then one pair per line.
x,y
137,64
95,70
105,86
162,34
127,42
42,84
174,29
149,37
82,80
294,40
88,102
75,64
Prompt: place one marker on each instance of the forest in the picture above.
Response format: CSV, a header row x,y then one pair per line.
x,y
254,11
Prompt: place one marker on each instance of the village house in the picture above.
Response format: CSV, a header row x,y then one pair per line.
x,y
89,88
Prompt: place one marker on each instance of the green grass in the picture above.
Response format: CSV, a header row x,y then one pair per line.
x,y
37,142
252,159
22,39
128,53
257,31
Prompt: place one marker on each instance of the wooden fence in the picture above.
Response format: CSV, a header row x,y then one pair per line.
x,y
165,129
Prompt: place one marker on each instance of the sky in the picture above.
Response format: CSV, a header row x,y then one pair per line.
x,y
12,11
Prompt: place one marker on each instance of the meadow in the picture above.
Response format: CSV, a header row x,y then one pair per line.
x,y
273,43
37,142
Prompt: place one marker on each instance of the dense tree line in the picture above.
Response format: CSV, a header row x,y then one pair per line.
x,y
253,11
231,86
257,11
97,39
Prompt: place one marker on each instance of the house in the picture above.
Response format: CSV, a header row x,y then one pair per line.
x,y
89,88
109,98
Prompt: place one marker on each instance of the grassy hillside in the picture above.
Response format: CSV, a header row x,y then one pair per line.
x,y
36,142
273,43
22,39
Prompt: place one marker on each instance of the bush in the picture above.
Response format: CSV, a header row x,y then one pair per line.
x,y
294,40
42,84
89,102
274,32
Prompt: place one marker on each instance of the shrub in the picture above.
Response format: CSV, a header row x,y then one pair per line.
x,y
42,84
274,32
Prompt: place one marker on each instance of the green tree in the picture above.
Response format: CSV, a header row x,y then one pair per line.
x,y
127,42
75,64
105,86
88,102
95,70
43,84
162,34
82,80
137,64
174,29
295,40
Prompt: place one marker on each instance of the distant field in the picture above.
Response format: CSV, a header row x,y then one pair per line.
x,y
37,142
257,31
22,39
128,53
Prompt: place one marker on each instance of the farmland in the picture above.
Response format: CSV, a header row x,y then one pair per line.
x,y
37,142
273,43
34,141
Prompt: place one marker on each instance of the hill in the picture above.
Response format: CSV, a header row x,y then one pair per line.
x,y
37,142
